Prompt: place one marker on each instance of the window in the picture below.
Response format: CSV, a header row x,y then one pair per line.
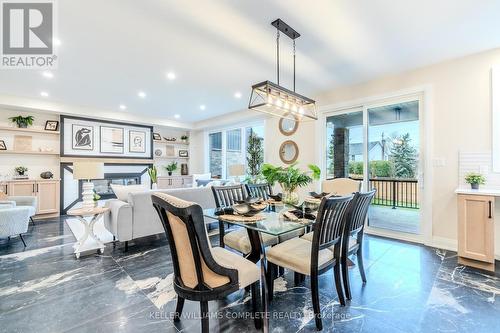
x,y
215,154
228,147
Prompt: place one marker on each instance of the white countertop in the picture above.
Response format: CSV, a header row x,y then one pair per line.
x,y
481,191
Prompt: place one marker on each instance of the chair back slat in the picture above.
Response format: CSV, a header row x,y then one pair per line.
x,y
357,216
226,196
330,221
259,190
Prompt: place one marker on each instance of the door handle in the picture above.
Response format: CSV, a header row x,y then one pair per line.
x,y
36,188
33,188
489,209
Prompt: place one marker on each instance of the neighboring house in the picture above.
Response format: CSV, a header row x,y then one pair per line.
x,y
376,151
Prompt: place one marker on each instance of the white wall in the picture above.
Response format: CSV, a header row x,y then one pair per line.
x,y
461,120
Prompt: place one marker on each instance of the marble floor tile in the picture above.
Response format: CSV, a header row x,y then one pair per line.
x,y
410,288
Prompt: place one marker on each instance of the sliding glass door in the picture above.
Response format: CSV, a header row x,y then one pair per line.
x,y
379,144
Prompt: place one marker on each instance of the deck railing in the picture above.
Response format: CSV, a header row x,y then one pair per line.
x,y
395,192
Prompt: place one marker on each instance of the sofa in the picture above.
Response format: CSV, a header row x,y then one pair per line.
x,y
137,218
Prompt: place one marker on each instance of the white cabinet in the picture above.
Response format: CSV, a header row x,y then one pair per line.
x,y
169,182
46,192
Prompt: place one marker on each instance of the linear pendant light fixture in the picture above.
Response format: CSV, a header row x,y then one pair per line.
x,y
271,98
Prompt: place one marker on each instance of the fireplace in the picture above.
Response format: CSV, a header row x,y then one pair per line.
x,y
114,173
103,186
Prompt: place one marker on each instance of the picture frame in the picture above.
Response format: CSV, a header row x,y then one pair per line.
x,y
156,137
82,137
183,153
136,141
170,150
3,146
52,125
111,140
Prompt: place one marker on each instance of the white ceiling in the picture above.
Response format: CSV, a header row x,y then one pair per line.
x,y
112,49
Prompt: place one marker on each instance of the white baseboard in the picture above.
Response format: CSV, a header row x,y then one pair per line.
x,y
449,244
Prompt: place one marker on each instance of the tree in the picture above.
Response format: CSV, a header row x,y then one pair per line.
x,y
331,161
255,156
404,156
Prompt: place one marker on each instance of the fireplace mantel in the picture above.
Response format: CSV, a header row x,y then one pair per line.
x,y
107,160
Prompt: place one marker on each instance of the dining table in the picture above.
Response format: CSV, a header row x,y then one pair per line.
x,y
271,222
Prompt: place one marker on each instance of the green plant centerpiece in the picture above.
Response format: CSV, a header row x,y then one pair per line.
x,y
153,175
184,138
21,170
290,178
171,168
474,179
22,122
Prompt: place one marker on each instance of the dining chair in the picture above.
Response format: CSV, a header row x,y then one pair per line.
x,y
352,241
341,186
201,272
225,197
316,257
263,190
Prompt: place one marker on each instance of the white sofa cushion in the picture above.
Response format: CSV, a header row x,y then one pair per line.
x,y
122,191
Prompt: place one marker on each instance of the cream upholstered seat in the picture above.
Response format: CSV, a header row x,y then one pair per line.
x,y
295,254
309,237
248,272
201,272
341,186
239,240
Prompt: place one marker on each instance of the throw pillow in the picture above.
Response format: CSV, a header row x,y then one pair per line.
x,y
197,176
122,191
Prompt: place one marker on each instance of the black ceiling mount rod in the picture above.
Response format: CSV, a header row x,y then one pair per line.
x,y
292,34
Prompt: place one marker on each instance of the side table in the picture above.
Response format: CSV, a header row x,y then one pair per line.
x,y
83,243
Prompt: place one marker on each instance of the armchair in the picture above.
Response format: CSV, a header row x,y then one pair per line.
x,y
22,201
13,220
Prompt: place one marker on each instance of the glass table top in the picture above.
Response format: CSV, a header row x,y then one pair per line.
x,y
273,224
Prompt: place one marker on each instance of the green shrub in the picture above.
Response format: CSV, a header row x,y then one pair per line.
x,y
355,168
377,168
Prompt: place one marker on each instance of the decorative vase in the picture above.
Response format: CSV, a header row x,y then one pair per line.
x,y
22,125
96,202
154,186
184,169
170,173
290,197
474,186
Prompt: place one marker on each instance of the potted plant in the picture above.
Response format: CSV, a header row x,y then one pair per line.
x,y
171,168
290,178
474,179
153,174
97,197
255,157
21,170
22,122
184,138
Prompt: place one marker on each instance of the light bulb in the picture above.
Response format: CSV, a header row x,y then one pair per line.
x,y
269,100
294,108
301,110
279,103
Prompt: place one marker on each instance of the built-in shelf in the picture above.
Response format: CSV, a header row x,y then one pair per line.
x,y
34,152
170,158
179,143
28,130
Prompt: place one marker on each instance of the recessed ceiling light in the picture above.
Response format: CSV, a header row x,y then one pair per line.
x,y
48,75
171,76
202,107
44,94
237,94
177,116
123,107
141,94
56,41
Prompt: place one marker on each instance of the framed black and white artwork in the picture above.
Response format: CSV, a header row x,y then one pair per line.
x,y
82,137
51,125
111,140
2,145
87,137
136,142
183,153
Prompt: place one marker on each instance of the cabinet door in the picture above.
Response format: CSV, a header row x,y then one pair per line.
x,y
164,183
47,197
177,182
22,188
187,181
476,227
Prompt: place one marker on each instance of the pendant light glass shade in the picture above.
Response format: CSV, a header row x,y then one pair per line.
x,y
273,99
